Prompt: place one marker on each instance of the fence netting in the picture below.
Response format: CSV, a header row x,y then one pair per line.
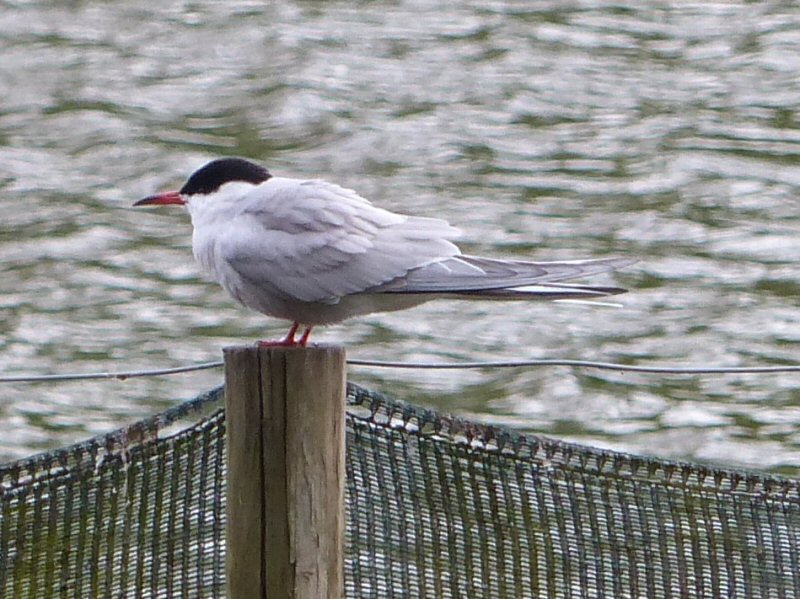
x,y
436,507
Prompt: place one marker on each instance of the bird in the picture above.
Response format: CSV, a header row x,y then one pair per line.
x,y
314,253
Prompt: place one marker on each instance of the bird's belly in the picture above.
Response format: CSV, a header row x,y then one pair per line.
x,y
318,313
351,306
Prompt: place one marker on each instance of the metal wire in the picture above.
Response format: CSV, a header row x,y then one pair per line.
x,y
82,376
583,364
672,370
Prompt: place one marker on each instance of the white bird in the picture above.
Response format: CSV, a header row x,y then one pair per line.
x,y
314,253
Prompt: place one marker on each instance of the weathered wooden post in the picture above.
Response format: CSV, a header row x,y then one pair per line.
x,y
285,503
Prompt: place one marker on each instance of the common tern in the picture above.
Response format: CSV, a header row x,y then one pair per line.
x,y
315,253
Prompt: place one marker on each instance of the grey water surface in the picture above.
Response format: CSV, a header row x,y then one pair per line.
x,y
665,130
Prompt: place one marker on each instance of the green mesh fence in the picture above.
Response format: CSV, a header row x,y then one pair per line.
x,y
437,507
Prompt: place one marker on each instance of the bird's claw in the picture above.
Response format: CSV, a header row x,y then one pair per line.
x,y
289,340
278,343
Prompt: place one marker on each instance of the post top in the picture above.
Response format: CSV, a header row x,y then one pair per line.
x,y
254,348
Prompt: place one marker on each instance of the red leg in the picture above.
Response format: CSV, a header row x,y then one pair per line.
x,y
304,338
288,341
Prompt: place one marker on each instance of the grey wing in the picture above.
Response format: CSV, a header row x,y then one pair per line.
x,y
460,274
317,242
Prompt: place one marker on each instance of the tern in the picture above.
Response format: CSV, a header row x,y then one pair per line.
x,y
315,253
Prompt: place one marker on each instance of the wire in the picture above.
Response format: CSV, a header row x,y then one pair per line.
x,y
677,370
583,364
31,378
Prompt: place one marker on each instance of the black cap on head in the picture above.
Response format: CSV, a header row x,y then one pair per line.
x,y
216,173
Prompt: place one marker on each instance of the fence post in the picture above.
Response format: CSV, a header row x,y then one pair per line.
x,y
285,502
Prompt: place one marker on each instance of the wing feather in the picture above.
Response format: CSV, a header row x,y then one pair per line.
x,y
316,242
472,273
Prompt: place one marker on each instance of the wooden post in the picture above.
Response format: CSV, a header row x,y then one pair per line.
x,y
285,440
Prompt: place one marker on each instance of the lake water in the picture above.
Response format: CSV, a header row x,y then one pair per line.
x,y
668,131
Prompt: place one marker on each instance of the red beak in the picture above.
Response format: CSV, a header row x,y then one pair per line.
x,y
168,197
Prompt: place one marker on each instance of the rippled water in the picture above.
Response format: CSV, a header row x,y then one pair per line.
x,y
664,130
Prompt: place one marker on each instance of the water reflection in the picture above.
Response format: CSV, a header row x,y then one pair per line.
x,y
551,130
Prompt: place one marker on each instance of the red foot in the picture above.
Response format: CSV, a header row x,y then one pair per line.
x,y
304,336
289,340
277,343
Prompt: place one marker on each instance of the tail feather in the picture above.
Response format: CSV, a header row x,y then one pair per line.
x,y
505,279
537,292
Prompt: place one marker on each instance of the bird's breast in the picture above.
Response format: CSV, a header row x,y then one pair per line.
x,y
204,248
